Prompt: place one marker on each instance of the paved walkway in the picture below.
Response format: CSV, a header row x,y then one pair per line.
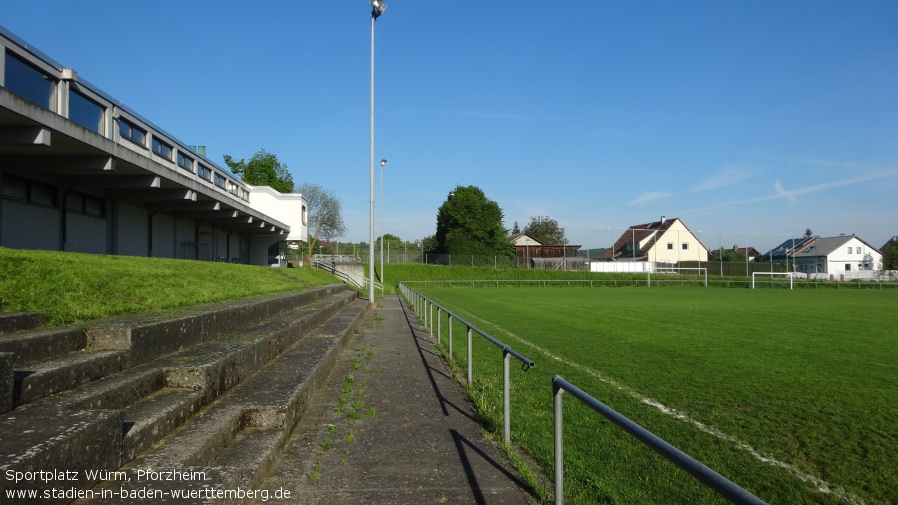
x,y
391,427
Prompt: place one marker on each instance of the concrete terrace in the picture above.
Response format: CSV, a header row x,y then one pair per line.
x,y
238,401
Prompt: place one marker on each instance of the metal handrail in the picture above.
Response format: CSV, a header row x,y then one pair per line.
x,y
332,269
705,475
421,303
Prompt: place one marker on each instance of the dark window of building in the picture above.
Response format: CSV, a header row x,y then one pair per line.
x,y
42,194
185,162
220,181
204,171
85,112
29,82
161,148
29,191
132,132
16,188
84,204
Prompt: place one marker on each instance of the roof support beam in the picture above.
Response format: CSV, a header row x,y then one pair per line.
x,y
155,195
116,181
50,163
24,135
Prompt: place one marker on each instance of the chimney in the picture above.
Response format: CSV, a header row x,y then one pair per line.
x,y
663,219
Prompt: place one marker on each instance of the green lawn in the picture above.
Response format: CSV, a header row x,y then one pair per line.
x,y
806,378
70,287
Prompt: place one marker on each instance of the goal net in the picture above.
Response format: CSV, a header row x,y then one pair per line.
x,y
771,275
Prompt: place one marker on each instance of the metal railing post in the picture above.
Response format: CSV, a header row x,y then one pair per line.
x,y
439,323
470,359
431,319
506,395
450,336
557,391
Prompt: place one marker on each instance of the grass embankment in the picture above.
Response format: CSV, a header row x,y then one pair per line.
x,y
71,287
805,378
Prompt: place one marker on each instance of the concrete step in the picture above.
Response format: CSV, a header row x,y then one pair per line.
x,y
7,381
37,345
152,336
39,438
147,421
11,322
235,439
158,406
44,378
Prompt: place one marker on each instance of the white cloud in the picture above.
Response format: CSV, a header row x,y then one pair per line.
x,y
648,197
729,175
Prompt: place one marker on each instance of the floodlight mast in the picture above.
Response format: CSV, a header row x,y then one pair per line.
x,y
377,8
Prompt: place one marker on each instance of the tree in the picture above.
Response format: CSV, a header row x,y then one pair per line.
x,y
468,223
263,169
515,229
808,233
546,230
890,257
325,214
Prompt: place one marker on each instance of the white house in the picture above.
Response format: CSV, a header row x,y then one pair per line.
x,y
664,241
845,255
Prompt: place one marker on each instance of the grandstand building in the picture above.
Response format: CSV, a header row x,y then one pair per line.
x,y
81,172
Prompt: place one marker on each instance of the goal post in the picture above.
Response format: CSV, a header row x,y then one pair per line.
x,y
702,271
789,274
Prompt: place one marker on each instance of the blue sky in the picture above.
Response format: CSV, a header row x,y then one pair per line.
x,y
750,121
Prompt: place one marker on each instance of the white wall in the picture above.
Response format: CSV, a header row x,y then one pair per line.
x,y
837,259
675,237
286,208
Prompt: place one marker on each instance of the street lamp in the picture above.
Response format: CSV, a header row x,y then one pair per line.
x,y
377,8
382,164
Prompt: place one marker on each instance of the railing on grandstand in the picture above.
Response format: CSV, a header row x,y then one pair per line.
x,y
705,475
424,306
333,268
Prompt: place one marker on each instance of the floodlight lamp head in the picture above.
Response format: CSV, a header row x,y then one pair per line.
x,y
377,8
383,162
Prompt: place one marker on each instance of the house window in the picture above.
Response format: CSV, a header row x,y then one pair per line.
x,y
85,112
847,267
185,162
849,249
29,82
204,172
685,246
857,250
161,148
131,132
220,181
670,246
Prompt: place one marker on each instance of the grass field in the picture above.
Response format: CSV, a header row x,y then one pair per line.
x,y
790,394
71,287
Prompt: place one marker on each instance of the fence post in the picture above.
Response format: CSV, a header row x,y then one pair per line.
x,y
431,319
506,395
470,359
557,391
450,336
439,323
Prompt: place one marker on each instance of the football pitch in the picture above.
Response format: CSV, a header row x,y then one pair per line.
x,y
793,395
